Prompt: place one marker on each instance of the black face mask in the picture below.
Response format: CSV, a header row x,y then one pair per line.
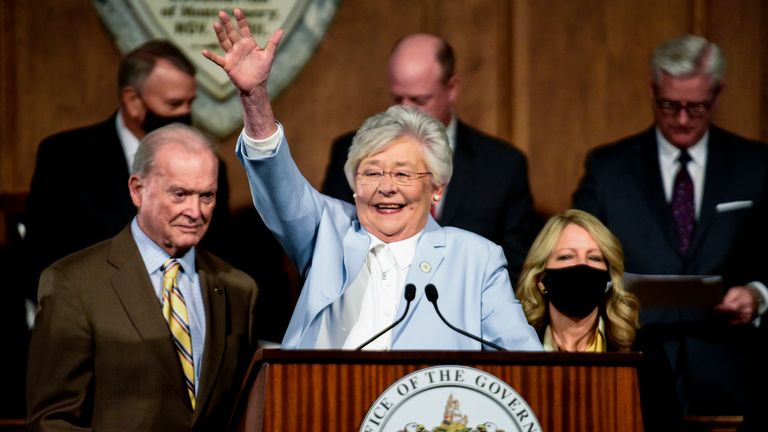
x,y
577,290
154,121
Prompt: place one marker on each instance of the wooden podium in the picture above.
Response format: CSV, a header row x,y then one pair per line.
x,y
333,390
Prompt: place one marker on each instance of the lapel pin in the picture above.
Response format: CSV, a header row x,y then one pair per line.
x,y
217,290
425,267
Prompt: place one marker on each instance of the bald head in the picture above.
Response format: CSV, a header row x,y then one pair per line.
x,y
421,74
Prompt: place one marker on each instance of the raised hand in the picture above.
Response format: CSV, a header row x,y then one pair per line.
x,y
245,62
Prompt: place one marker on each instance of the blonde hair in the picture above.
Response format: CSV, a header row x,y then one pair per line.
x,y
620,311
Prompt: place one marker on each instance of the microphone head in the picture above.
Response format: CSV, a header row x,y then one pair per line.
x,y
431,292
410,292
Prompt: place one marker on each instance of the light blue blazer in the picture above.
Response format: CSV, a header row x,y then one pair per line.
x,y
324,238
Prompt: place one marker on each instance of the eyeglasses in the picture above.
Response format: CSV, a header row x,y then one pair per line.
x,y
401,178
693,109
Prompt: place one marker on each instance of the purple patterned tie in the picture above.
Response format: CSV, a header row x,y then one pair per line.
x,y
683,210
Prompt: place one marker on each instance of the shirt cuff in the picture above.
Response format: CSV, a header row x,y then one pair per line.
x,y
255,148
762,295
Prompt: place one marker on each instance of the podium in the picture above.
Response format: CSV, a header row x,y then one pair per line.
x,y
304,390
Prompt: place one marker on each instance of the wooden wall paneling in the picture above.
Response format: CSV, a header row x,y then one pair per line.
x,y
8,96
66,72
588,80
742,37
479,33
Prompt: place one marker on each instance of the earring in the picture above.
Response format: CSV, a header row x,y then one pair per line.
x,y
354,196
436,197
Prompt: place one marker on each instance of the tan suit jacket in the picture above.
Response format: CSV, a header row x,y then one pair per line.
x,y
102,357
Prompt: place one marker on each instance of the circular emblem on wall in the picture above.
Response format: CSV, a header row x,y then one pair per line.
x,y
450,399
188,24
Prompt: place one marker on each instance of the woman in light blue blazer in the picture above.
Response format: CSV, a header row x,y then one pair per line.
x,y
356,260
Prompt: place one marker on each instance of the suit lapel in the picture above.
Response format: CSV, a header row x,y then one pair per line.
x,y
430,253
647,172
214,298
716,172
463,168
134,289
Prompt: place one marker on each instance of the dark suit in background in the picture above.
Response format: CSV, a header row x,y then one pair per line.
x,y
622,186
79,196
488,193
114,366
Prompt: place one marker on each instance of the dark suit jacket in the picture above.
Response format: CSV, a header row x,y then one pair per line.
x,y
488,193
622,186
79,196
102,355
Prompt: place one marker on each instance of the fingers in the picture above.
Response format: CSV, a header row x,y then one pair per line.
x,y
274,41
221,36
242,23
219,60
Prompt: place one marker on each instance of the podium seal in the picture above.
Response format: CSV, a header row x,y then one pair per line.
x,y
450,399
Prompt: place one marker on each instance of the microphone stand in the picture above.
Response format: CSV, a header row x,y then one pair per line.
x,y
431,292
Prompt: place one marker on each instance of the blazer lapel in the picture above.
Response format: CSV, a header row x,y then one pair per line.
x,y
430,253
647,173
214,299
134,288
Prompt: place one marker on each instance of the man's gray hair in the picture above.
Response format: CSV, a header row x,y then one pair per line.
x,y
399,121
688,55
178,133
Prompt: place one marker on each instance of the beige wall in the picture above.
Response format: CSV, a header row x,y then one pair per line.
x,y
554,77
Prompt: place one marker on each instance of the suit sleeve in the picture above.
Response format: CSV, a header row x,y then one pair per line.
x,y
60,364
48,238
335,183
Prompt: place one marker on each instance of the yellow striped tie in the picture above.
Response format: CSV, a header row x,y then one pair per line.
x,y
175,312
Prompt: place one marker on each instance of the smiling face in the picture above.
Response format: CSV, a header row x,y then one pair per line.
x,y
389,211
576,247
175,199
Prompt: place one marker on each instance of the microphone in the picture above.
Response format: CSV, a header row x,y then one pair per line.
x,y
431,292
410,294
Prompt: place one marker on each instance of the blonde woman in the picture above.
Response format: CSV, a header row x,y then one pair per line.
x,y
572,293
571,287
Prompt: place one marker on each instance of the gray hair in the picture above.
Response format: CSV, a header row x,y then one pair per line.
x,y
177,133
688,55
399,121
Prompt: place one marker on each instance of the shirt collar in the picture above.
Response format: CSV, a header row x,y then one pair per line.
x,y
669,153
597,344
128,140
403,250
154,256
450,130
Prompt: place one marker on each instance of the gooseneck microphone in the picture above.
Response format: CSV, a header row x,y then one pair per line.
x,y
431,293
410,294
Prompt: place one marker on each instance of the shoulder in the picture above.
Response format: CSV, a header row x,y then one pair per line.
x,y
223,271
627,144
83,137
722,137
468,242
480,143
342,143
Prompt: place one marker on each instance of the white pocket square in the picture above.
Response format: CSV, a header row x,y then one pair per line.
x,y
733,205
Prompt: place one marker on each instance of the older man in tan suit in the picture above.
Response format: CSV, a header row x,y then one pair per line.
x,y
145,331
